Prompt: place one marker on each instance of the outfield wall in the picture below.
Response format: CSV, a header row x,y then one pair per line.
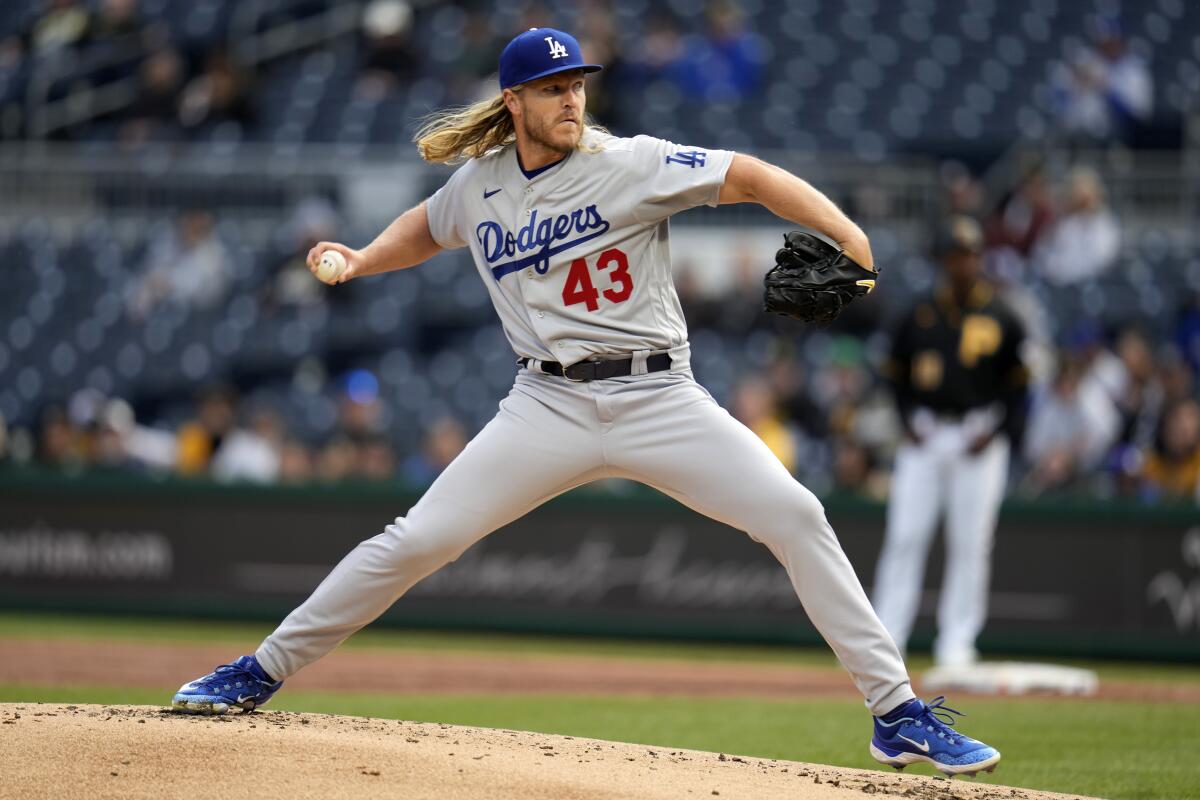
x,y
1086,579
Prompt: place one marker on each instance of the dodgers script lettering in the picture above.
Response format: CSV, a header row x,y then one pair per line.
x,y
542,235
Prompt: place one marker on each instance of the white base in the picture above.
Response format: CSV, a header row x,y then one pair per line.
x,y
1010,677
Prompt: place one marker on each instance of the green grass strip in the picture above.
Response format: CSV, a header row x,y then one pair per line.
x,y
245,636
1123,751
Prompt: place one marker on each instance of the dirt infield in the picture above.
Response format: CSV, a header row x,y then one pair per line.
x,y
166,666
145,752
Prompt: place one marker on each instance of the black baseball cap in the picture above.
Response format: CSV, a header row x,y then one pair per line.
x,y
960,234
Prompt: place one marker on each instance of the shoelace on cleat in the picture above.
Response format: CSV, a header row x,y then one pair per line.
x,y
245,678
939,718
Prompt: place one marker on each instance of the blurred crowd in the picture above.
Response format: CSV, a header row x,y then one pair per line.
x,y
175,87
1113,411
1117,416
170,73
182,86
230,440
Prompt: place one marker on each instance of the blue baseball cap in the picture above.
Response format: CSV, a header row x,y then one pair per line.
x,y
539,52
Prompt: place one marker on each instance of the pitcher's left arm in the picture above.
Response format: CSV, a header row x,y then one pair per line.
x,y
752,180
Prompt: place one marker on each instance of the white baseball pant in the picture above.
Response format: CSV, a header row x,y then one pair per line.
x,y
550,435
930,478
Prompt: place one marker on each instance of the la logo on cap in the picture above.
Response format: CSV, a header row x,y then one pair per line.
x,y
556,48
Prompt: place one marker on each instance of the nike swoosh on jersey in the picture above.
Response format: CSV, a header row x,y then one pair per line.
x,y
487,194
922,746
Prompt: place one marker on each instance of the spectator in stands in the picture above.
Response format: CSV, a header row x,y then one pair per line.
x,y
1103,94
313,220
601,45
390,58
377,460
1070,430
251,453
961,191
1172,467
337,460
855,470
660,48
1018,224
469,76
63,24
116,20
475,63
220,93
1085,240
841,385
360,410
189,266
726,63
295,462
14,74
701,309
444,440
1187,332
199,439
360,433
1139,393
117,43
741,307
788,381
1178,379
58,440
754,404
154,114
113,426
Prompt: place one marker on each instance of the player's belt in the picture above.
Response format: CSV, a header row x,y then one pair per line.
x,y
599,370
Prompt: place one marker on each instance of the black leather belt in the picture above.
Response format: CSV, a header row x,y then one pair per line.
x,y
599,370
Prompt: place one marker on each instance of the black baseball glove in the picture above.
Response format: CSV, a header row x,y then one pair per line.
x,y
813,280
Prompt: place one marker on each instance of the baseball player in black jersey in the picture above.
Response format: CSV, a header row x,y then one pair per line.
x,y
960,386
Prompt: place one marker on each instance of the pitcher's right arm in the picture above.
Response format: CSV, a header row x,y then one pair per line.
x,y
403,244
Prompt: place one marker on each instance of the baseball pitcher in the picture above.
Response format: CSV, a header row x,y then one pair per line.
x,y
568,227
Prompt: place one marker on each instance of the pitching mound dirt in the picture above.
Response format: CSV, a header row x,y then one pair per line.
x,y
139,751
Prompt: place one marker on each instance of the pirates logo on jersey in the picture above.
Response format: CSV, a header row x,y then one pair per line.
x,y
981,337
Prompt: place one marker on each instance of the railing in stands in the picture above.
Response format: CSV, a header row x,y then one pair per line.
x,y
48,115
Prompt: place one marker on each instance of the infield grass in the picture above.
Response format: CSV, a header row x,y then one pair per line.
x,y
247,635
1125,751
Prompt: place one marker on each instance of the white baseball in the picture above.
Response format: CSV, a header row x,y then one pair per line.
x,y
330,266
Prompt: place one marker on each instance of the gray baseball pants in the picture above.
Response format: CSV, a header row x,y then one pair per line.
x,y
550,435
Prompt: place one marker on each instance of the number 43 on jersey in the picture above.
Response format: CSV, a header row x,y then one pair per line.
x,y
580,289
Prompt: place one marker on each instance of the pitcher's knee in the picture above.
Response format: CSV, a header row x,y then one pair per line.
x,y
808,510
800,514
423,547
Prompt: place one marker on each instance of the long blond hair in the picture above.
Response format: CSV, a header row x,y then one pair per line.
x,y
457,134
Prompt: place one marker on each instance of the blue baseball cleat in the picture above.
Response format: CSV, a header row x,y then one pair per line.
x,y
917,732
242,684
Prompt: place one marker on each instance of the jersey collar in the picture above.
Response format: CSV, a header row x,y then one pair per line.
x,y
981,293
531,174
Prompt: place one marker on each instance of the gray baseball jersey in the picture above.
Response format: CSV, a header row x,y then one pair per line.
x,y
577,260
